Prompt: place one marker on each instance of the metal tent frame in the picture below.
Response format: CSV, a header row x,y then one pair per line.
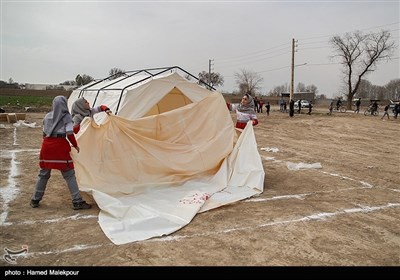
x,y
151,72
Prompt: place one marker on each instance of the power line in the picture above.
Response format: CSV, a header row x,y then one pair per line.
x,y
256,52
323,64
254,60
259,55
307,43
322,36
254,56
323,47
274,69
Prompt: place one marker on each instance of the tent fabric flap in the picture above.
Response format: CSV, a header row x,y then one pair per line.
x,y
166,148
150,174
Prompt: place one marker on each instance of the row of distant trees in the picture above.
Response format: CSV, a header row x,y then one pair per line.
x,y
359,55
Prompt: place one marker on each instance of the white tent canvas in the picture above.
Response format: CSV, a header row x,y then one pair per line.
x,y
170,152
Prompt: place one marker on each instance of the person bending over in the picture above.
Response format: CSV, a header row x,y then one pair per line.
x,y
81,109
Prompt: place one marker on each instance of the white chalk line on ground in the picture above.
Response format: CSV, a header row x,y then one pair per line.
x,y
309,218
10,192
368,185
365,184
302,196
15,137
318,216
279,197
289,196
257,199
50,221
74,248
314,217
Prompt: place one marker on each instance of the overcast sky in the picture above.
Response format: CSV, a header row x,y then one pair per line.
x,y
49,42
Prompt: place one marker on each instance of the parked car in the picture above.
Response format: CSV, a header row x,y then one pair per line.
x,y
304,104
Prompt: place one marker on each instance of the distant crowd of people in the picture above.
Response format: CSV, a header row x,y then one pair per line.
x,y
258,104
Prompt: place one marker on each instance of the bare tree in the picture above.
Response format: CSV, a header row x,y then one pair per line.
x,y
83,80
68,83
360,55
393,89
116,72
276,91
364,90
380,92
301,87
213,79
312,88
248,82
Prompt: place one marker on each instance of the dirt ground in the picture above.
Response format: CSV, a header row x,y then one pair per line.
x,y
346,213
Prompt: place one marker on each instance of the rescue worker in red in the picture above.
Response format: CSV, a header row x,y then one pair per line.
x,y
55,153
81,109
245,112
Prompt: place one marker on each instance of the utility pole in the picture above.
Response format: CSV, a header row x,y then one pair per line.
x,y
209,71
292,76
